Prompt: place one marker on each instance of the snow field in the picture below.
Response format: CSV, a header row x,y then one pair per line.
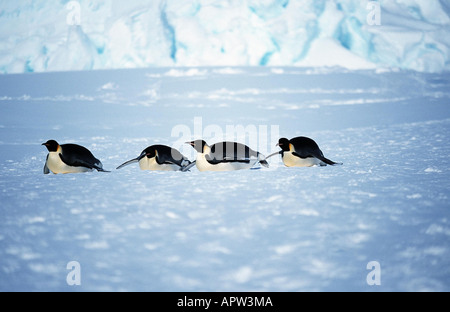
x,y
277,229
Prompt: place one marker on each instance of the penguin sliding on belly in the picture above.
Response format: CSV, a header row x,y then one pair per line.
x,y
302,152
70,158
160,158
226,156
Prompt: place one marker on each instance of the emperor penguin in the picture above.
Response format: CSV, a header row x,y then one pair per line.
x,y
226,156
302,152
70,158
160,158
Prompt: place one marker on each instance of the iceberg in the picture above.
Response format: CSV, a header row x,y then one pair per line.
x,y
42,36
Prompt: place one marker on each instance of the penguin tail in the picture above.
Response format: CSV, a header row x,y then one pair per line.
x,y
99,167
330,162
188,166
101,170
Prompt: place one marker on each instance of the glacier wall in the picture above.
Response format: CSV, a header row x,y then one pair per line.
x,y
43,35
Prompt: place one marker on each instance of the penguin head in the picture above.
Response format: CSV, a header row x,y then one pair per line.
x,y
146,154
51,145
284,143
198,145
149,152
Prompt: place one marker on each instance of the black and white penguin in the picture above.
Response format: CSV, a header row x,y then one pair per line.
x,y
226,156
161,158
302,152
70,158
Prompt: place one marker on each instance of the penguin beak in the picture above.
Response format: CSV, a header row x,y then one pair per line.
x,y
141,156
271,155
128,163
45,144
135,160
279,145
191,143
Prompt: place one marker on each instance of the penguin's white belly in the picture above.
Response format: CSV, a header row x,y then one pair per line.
x,y
151,164
56,165
203,165
290,160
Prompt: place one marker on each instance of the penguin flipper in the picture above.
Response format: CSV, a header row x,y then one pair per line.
x,y
303,156
167,161
74,162
46,170
169,156
215,161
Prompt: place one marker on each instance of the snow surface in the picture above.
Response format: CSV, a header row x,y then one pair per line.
x,y
276,229
41,35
